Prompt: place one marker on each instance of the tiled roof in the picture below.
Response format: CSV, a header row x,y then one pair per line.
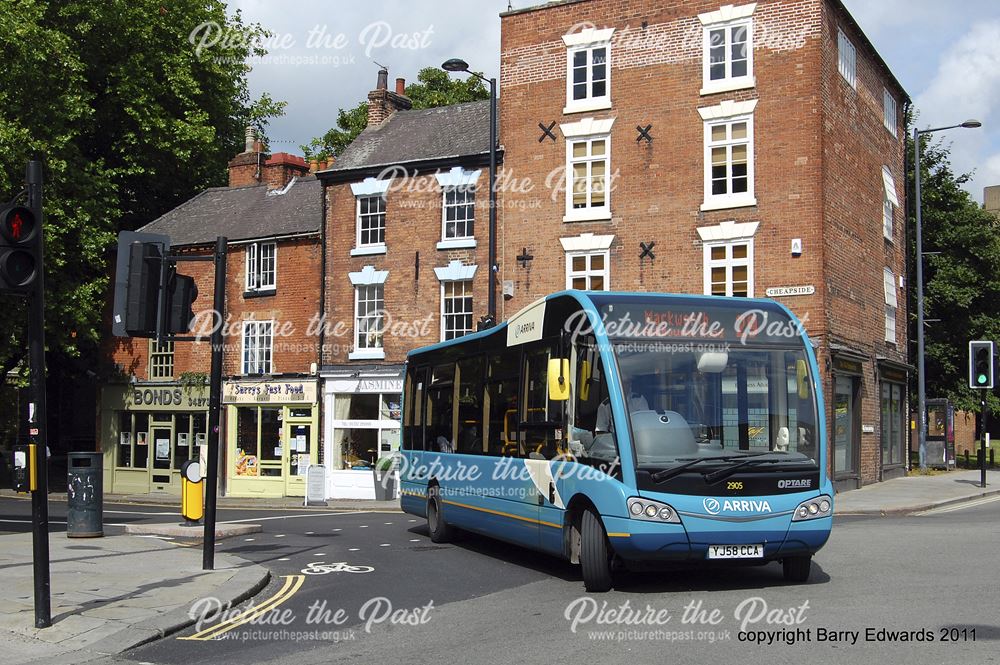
x,y
244,213
444,132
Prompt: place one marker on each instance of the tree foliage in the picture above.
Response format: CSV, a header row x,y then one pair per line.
x,y
130,120
434,88
961,276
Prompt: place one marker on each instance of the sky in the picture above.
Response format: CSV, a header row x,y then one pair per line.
x,y
323,55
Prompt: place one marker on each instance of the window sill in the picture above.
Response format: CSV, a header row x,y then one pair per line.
x,y
585,215
366,354
728,85
259,293
725,203
583,106
458,243
369,250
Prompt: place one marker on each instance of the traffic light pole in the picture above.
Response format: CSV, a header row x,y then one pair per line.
x,y
214,405
37,421
982,442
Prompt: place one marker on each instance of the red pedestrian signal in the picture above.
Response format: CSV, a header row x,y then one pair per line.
x,y
20,252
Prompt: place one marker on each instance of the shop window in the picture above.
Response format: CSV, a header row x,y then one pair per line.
x,y
365,427
247,449
893,429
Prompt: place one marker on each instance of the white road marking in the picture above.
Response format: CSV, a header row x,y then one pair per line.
x,y
338,529
158,537
135,512
411,520
384,545
319,554
291,517
309,533
960,506
248,540
29,522
283,559
280,535
388,522
364,526
354,549
414,540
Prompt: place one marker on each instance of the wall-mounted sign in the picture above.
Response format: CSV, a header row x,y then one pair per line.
x,y
784,291
373,385
166,398
846,365
278,392
868,429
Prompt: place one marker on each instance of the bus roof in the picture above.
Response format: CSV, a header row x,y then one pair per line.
x,y
664,312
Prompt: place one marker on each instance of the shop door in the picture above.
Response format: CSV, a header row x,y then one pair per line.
x,y
296,458
161,447
845,448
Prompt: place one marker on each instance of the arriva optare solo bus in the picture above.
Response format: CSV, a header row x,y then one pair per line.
x,y
624,429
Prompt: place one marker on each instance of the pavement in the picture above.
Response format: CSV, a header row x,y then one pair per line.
x,y
109,594
115,593
915,493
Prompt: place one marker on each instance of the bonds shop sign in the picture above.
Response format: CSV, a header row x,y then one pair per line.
x,y
269,391
167,398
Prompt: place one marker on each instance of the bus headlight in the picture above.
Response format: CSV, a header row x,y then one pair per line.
x,y
652,511
812,509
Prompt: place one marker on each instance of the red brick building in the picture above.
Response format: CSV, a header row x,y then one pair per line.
x,y
406,257
156,417
756,149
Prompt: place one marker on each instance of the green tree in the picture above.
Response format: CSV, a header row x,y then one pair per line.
x,y
434,87
131,118
961,276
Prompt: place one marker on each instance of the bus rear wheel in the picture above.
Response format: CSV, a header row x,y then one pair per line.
x,y
439,529
595,553
796,568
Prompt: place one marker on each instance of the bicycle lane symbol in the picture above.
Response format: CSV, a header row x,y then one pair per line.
x,y
320,568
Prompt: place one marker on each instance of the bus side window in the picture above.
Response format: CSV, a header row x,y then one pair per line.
x,y
439,434
501,394
593,424
470,406
408,404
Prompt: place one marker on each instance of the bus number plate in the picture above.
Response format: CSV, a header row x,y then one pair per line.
x,y
735,551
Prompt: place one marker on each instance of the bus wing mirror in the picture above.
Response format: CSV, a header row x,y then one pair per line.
x,y
558,379
585,376
801,374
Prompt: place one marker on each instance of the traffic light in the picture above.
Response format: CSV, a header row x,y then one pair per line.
x,y
981,365
181,294
142,296
20,249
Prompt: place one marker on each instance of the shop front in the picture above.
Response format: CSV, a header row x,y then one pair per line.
x,y
148,430
272,436
362,414
893,378
845,439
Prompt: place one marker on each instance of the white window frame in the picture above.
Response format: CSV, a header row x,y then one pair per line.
x,y
467,285
728,233
161,358
589,245
847,59
370,247
728,263
727,18
728,113
255,258
587,40
890,201
588,129
258,331
367,277
457,178
891,303
470,192
889,112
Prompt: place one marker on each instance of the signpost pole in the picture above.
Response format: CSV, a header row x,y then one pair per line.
x,y
982,443
214,405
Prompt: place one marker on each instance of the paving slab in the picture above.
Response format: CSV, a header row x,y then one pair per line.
x,y
914,493
118,593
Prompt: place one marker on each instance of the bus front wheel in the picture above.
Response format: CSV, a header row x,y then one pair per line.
x,y
439,529
595,553
796,568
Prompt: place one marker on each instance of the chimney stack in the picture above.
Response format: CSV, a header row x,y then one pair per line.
x,y
382,102
246,168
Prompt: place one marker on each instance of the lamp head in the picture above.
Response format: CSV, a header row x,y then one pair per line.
x,y
455,65
971,124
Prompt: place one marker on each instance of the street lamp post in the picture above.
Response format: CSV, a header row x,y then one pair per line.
x,y
921,379
457,65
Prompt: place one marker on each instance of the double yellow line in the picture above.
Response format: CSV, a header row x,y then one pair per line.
x,y
292,584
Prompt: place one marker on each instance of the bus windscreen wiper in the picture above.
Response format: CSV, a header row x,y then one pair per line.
x,y
722,474
666,474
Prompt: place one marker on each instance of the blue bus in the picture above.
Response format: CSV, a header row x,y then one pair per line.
x,y
625,430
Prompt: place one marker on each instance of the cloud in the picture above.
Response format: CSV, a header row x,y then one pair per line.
x,y
967,85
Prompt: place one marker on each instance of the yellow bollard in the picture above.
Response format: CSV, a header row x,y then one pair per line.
x,y
192,492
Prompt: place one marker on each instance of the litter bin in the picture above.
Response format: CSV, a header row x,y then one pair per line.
x,y
85,495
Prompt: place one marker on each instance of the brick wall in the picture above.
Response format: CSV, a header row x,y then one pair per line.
x,y
412,290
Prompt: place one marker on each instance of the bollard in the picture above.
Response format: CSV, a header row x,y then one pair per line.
x,y
85,495
192,494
